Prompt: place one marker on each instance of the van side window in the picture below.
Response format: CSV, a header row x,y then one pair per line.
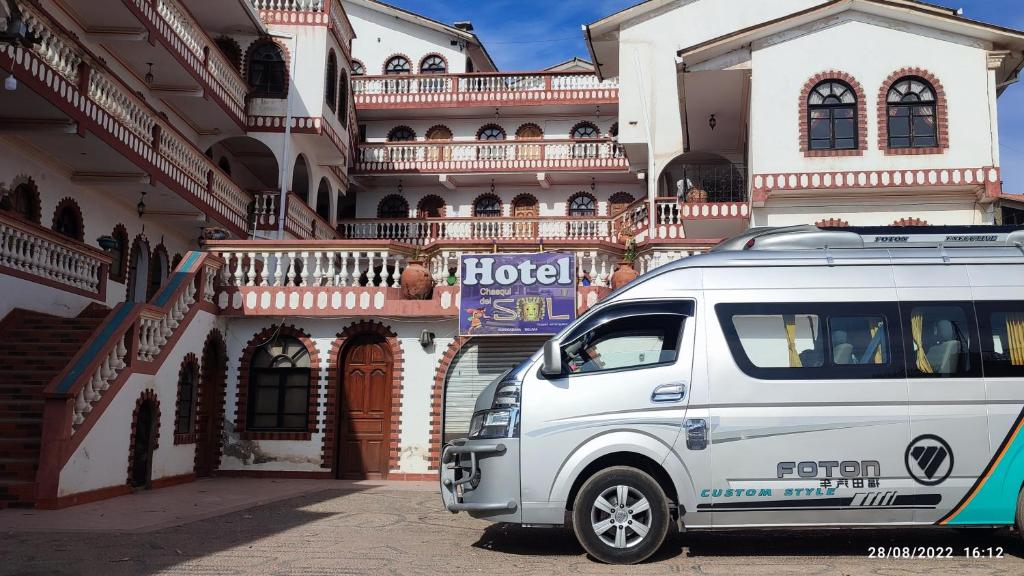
x,y
940,340
630,342
1002,338
812,341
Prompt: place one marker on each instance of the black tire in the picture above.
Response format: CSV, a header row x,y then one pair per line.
x,y
1019,524
620,542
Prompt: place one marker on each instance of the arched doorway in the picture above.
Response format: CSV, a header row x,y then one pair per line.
x,y
144,439
300,180
138,270
323,200
364,413
697,177
525,210
210,416
159,269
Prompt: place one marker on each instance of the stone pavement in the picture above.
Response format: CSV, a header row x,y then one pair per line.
x,y
285,527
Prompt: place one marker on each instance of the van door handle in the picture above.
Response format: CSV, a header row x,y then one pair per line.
x,y
669,393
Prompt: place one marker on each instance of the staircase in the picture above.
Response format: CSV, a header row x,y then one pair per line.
x,y
34,348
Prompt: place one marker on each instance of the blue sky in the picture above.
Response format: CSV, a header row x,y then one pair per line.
x,y
534,34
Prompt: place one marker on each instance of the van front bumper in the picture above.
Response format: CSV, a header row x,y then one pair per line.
x,y
481,477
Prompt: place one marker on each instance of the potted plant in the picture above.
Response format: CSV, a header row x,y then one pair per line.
x,y
415,281
625,273
696,195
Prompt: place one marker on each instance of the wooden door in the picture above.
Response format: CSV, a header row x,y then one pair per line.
x,y
145,434
524,212
210,397
365,411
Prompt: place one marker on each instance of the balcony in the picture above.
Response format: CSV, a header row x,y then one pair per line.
x,y
120,133
302,222
45,257
480,230
482,90
504,156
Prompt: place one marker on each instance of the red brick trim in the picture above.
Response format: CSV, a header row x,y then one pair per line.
x,y
529,125
426,135
941,114
391,133
380,205
334,383
420,204
69,203
437,399
480,131
148,395
384,66
189,362
241,405
285,53
37,206
568,204
447,66
120,233
862,115
501,205
832,223
215,384
910,222
580,125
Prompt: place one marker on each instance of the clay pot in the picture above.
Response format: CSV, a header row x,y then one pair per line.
x,y
416,283
624,275
696,196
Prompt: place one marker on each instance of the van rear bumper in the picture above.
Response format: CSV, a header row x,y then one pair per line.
x,y
481,477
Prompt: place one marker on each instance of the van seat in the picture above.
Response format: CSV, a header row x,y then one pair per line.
x,y
842,350
944,356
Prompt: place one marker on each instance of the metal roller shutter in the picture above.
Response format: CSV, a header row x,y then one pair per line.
x,y
481,360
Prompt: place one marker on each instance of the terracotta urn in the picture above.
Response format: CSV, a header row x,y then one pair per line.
x,y
624,275
416,282
696,195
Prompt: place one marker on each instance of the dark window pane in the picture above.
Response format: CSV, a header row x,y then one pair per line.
x,y
899,111
295,422
845,144
924,127
821,144
295,400
820,129
925,141
266,400
843,113
899,142
844,129
264,421
899,127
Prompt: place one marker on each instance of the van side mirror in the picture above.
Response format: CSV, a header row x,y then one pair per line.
x,y
552,359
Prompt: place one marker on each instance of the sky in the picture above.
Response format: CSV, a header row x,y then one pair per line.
x,y
535,34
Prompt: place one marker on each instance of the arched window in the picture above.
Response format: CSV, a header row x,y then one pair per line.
x,y
491,132
614,130
331,82
268,73
832,116
358,69
584,130
188,386
393,206
911,114
487,206
398,65
67,220
119,253
401,134
431,206
323,199
24,202
225,165
433,64
582,205
529,132
231,50
159,268
439,133
343,99
279,376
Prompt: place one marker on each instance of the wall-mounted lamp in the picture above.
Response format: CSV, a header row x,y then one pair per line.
x,y
149,75
141,206
426,338
712,122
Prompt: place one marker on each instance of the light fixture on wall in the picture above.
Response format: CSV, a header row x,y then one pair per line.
x,y
141,206
712,122
399,186
11,83
426,338
492,185
593,184
149,75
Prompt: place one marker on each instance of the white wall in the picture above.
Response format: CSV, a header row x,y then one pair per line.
x,y
379,37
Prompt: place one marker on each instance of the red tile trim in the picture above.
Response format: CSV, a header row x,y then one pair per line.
x,y
832,223
437,400
910,222
241,406
941,114
334,383
862,115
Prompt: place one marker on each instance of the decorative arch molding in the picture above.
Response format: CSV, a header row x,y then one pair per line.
x,y
910,221
447,65
941,114
581,125
190,361
394,131
214,341
832,223
439,129
425,202
286,54
358,68
120,233
35,205
528,128
148,395
67,207
384,66
501,205
334,367
488,126
384,211
231,50
862,115
581,194
242,402
620,198
524,197
437,400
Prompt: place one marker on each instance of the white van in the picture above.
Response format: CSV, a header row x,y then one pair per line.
x,y
797,377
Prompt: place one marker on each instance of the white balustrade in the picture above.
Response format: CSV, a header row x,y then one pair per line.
x,y
289,5
183,25
31,250
426,231
99,381
465,155
304,222
265,210
155,328
470,84
52,48
115,99
667,211
659,257
312,266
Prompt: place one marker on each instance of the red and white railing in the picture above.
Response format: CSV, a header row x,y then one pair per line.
x,y
483,89
447,157
485,229
40,254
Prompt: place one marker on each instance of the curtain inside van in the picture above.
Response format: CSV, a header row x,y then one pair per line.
x,y
1015,337
794,356
873,326
917,331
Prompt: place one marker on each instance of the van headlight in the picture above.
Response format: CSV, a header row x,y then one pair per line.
x,y
500,423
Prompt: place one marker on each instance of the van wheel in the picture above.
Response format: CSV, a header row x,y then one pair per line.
x,y
1020,514
620,515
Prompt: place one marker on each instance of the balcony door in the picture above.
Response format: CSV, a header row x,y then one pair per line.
x,y
525,212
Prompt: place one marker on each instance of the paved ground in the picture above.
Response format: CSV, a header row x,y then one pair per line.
x,y
311,527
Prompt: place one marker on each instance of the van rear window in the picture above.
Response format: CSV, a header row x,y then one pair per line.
x,y
781,341
1002,338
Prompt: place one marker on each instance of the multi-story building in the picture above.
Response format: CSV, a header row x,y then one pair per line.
x,y
208,207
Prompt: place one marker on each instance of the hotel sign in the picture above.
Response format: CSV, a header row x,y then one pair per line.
x,y
517,294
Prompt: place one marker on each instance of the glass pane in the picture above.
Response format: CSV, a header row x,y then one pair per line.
x,y
845,144
924,127
781,341
295,422
925,141
825,144
264,421
843,113
899,127
624,343
859,340
296,400
845,129
899,111
266,400
820,129
940,341
899,142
